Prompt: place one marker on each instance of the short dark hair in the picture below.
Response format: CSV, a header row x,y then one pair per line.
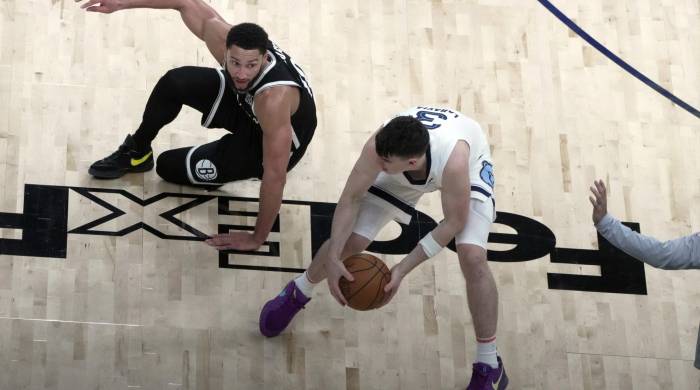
x,y
403,136
247,36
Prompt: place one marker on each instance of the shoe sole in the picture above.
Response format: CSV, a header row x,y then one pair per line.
x,y
117,174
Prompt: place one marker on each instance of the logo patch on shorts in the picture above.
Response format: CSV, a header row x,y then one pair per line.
x,y
205,170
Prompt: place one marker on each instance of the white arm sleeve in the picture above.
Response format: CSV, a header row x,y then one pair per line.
x,y
680,253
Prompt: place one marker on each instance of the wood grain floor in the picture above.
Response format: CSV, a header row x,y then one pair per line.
x,y
138,311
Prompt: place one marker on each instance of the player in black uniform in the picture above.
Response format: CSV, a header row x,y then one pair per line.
x,y
261,96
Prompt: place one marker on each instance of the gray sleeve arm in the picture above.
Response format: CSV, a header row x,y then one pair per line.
x,y
680,253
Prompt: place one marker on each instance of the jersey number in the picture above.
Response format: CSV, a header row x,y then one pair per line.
x,y
428,118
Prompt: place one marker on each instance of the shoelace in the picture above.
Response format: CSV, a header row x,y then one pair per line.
x,y
291,300
123,148
296,302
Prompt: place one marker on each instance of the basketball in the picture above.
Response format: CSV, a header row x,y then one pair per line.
x,y
366,292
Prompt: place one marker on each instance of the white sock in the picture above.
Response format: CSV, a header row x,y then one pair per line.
x,y
304,284
487,353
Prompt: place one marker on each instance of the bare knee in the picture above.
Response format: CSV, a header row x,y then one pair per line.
x,y
472,259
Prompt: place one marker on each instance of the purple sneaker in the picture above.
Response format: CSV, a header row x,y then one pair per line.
x,y
279,311
486,378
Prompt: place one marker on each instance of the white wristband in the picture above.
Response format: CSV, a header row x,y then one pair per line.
x,y
430,246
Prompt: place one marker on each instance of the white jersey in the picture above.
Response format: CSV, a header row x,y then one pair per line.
x,y
446,127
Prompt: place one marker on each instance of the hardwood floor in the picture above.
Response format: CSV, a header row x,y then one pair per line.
x,y
140,311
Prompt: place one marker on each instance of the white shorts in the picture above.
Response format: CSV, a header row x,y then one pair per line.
x,y
373,216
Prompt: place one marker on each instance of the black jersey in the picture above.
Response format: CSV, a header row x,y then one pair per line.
x,y
281,70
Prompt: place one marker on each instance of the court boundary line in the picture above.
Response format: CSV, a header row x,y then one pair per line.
x,y
71,322
619,61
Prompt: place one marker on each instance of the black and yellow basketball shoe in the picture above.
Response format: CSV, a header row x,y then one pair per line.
x,y
126,159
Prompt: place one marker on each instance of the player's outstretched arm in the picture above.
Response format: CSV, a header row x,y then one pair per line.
x,y
201,19
363,174
681,253
109,6
273,107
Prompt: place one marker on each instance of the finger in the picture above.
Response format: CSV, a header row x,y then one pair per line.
x,y
602,195
593,202
220,244
600,186
335,290
341,299
90,3
223,239
388,287
332,291
388,296
594,192
385,300
101,9
346,274
213,241
338,297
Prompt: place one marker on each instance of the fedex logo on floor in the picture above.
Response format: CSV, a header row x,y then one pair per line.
x,y
44,230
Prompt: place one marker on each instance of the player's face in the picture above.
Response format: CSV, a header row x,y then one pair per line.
x,y
393,165
243,66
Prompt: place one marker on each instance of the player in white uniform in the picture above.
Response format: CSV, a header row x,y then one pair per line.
x,y
385,197
423,149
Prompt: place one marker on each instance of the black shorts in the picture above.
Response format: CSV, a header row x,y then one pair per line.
x,y
235,156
